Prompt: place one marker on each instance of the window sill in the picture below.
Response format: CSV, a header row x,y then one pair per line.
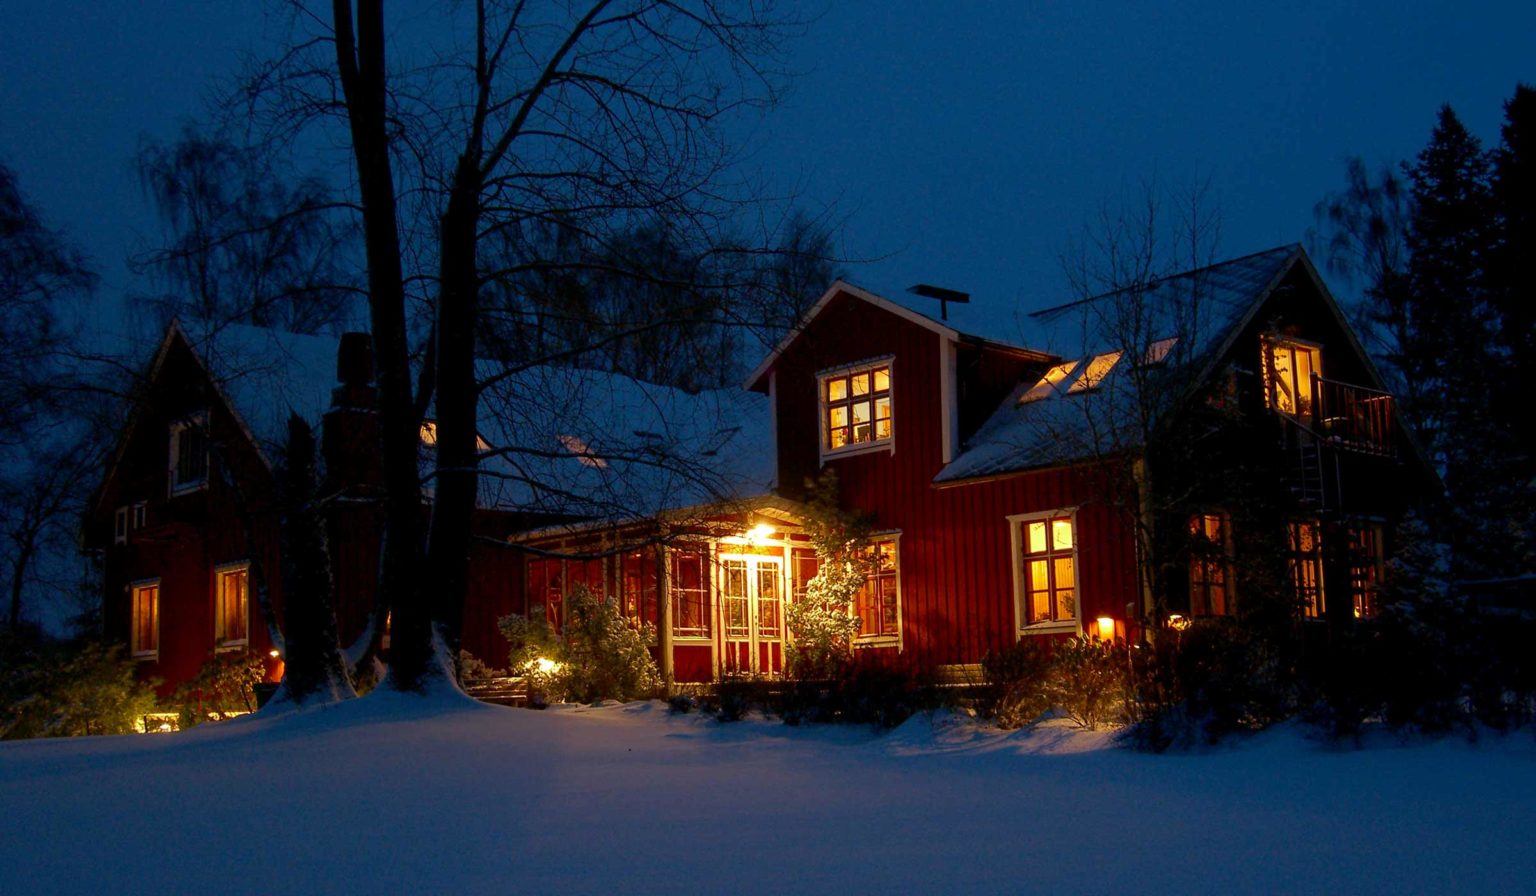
x,y
230,647
692,639
1050,628
880,641
888,445
188,488
149,657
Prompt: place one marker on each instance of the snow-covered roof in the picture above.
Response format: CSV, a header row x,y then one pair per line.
x,y
557,439
1091,409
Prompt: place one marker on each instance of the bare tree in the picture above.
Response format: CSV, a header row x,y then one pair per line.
x,y
505,122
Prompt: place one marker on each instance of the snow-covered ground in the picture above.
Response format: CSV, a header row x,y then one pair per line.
x,y
393,794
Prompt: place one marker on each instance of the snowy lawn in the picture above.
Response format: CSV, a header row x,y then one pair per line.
x,y
405,795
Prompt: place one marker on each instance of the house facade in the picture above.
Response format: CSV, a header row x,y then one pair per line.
x,y
1008,494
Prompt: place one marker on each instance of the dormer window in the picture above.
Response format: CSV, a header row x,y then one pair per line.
x,y
1289,368
189,455
856,408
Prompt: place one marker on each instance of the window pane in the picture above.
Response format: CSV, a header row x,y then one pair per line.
x,y
859,383
1066,605
838,437
1061,535
837,389
861,412
1039,575
882,379
1040,606
883,408
1036,538
837,416
1064,573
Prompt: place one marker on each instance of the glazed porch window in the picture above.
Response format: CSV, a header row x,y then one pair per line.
x,y
1049,547
1210,565
689,589
1288,371
1306,565
877,602
637,587
1367,567
856,407
144,638
230,607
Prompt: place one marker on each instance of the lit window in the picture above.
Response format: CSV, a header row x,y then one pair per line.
x,y
878,603
231,617
1157,352
856,407
144,638
1047,546
1050,383
637,588
1289,368
1306,565
1210,565
1097,370
1367,567
189,455
689,594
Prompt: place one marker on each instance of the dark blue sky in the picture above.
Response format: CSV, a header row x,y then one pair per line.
x,y
961,143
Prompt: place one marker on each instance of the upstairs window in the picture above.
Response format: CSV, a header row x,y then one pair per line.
x,y
189,455
144,635
231,616
1045,573
1306,564
856,409
1210,565
1288,371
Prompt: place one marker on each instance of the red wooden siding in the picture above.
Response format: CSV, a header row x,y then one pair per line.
x,y
956,560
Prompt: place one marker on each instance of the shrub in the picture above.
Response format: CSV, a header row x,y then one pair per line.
x,y
49,690
1016,682
1088,680
471,666
822,621
223,688
598,656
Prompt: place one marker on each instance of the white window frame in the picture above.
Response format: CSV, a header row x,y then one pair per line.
x,y
139,516
194,422
894,640
887,444
120,525
133,623
1016,524
1271,385
221,644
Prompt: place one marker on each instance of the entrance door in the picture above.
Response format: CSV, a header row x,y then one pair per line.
x,y
752,604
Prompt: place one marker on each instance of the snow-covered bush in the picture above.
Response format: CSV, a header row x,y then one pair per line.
x,y
822,621
471,667
598,655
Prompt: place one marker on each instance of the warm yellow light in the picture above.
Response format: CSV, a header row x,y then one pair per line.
x,y
759,532
273,653
1106,625
1178,623
546,666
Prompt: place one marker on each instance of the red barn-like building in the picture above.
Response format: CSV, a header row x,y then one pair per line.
x,y
1009,487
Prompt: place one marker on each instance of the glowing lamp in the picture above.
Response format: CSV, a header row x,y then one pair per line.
x,y
272,653
1106,626
759,532
546,665
1178,623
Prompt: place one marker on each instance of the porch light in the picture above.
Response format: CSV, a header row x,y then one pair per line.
x,y
759,532
1178,623
273,653
1106,626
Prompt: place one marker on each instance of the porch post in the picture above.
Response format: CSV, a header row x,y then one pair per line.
x,y
664,615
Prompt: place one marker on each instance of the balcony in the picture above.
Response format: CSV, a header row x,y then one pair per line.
x,y
1353,418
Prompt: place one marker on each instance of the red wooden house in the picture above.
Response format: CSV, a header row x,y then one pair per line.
x,y
1002,481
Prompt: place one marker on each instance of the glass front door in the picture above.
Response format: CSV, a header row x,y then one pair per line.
x,y
752,609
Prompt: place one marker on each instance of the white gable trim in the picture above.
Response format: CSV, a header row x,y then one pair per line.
x,y
844,287
948,410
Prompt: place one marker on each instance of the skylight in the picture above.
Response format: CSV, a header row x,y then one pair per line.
x,y
1097,370
578,446
1159,350
1049,383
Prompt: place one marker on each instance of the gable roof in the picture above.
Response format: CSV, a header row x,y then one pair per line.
x,y
1065,424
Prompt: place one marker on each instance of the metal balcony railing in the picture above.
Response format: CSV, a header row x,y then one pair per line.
x,y
1352,417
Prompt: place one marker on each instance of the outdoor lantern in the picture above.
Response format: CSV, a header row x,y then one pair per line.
x,y
759,532
1106,626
